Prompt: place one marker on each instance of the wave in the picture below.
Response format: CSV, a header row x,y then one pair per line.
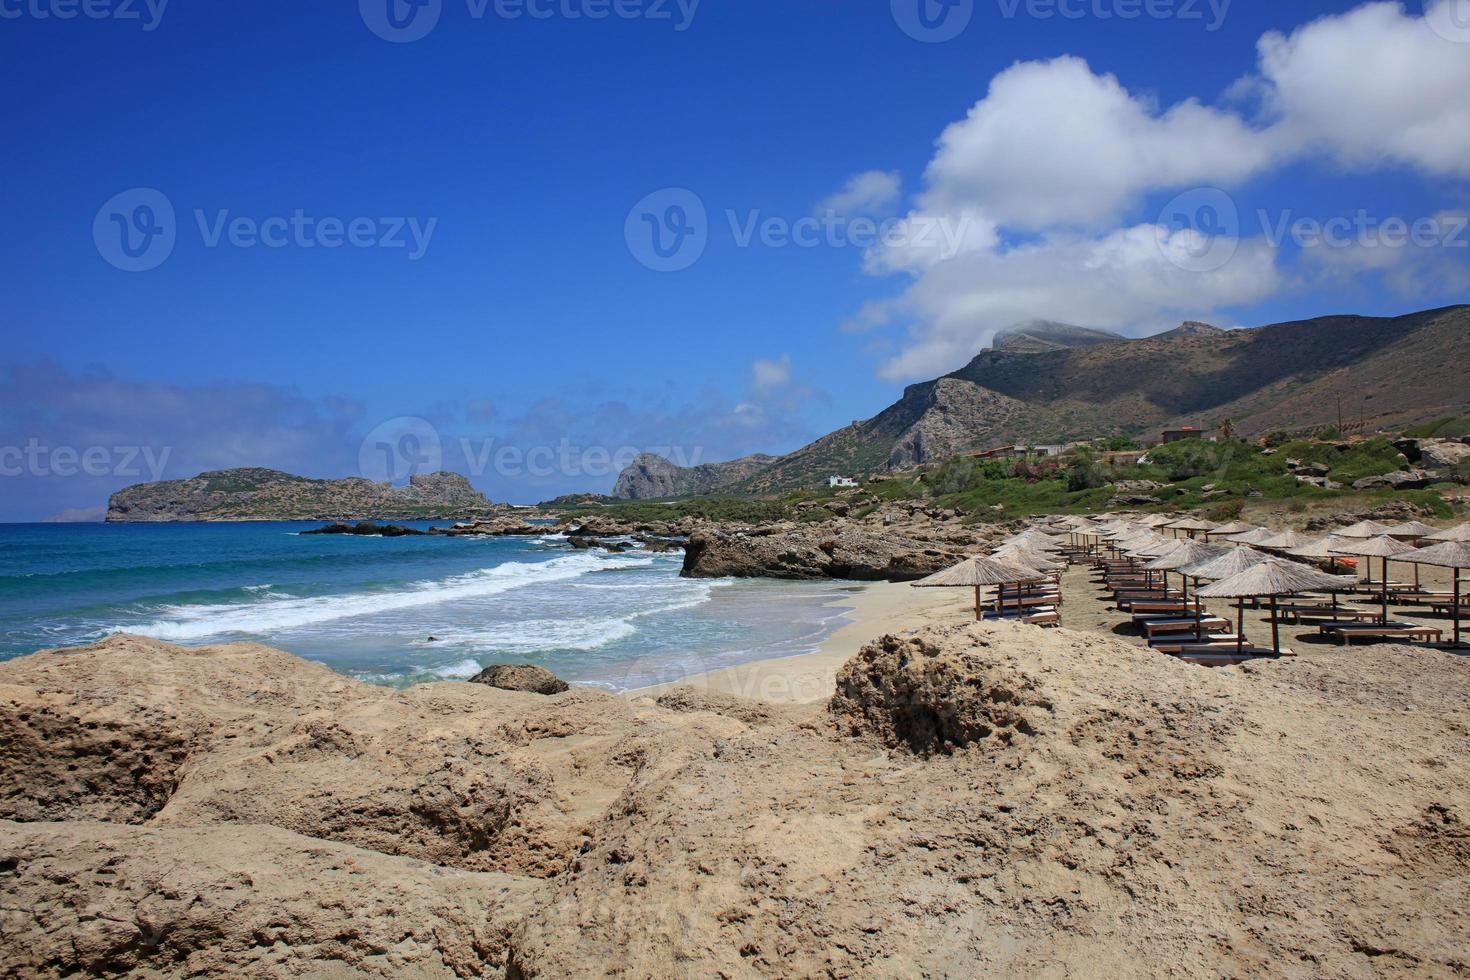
x,y
537,635
198,622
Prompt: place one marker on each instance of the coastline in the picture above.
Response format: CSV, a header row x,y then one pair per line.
x,y
875,609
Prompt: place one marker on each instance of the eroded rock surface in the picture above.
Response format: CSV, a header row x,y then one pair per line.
x,y
990,799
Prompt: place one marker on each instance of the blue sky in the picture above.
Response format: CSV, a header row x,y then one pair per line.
x,y
1048,143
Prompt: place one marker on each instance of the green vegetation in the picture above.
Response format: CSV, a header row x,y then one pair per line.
x,y
1451,428
1216,478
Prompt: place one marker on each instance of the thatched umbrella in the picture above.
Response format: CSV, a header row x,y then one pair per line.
x,y
1446,554
1252,537
1461,533
1321,549
979,573
1232,562
1380,547
1180,558
1234,527
1413,531
1284,541
1362,529
1191,526
1273,577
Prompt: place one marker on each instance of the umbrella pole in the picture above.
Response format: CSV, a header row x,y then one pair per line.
x,y
1457,609
1275,629
1385,591
979,613
1199,617
1240,625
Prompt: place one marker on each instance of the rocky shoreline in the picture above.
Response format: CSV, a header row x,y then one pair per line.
x,y
985,799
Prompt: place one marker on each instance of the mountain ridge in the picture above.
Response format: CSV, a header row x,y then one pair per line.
x,y
1381,371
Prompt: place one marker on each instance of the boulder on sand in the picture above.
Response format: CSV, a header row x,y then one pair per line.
x,y
521,677
793,551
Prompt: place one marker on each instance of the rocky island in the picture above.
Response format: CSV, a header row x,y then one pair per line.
x,y
257,494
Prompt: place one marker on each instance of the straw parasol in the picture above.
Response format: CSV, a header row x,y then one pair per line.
x,y
1234,527
1461,533
1273,577
979,573
1321,549
1446,554
1232,562
1380,547
1284,541
1253,537
1362,529
1178,559
1413,530
1190,525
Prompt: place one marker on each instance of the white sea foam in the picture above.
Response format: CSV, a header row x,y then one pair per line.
x,y
183,623
590,633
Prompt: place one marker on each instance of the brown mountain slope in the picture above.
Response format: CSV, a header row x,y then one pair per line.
x,y
1387,371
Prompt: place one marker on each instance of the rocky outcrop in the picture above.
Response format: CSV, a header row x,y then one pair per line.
x,y
99,899
931,697
650,477
270,495
137,731
793,551
369,529
988,799
521,677
495,527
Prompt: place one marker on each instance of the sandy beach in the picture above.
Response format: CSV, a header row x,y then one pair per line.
x,y
874,610
882,608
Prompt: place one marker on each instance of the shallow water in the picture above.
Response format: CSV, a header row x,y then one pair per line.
x,y
367,606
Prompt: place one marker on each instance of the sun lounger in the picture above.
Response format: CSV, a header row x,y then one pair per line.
x,y
1176,644
1169,606
1347,632
1318,616
1209,624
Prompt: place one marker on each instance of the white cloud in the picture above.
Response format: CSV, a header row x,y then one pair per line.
x,y
1370,87
767,376
866,193
1054,144
1044,171
1123,280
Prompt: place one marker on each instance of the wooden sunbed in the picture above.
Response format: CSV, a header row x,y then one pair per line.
x,y
1209,624
1347,632
1177,644
1170,606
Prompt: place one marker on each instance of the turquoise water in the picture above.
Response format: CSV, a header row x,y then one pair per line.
x,y
367,607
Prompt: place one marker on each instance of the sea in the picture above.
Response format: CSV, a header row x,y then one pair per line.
x,y
401,611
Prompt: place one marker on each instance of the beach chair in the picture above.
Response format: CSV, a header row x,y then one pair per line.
x,y
1347,632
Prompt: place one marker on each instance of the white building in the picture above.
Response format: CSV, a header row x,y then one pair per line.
x,y
841,481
